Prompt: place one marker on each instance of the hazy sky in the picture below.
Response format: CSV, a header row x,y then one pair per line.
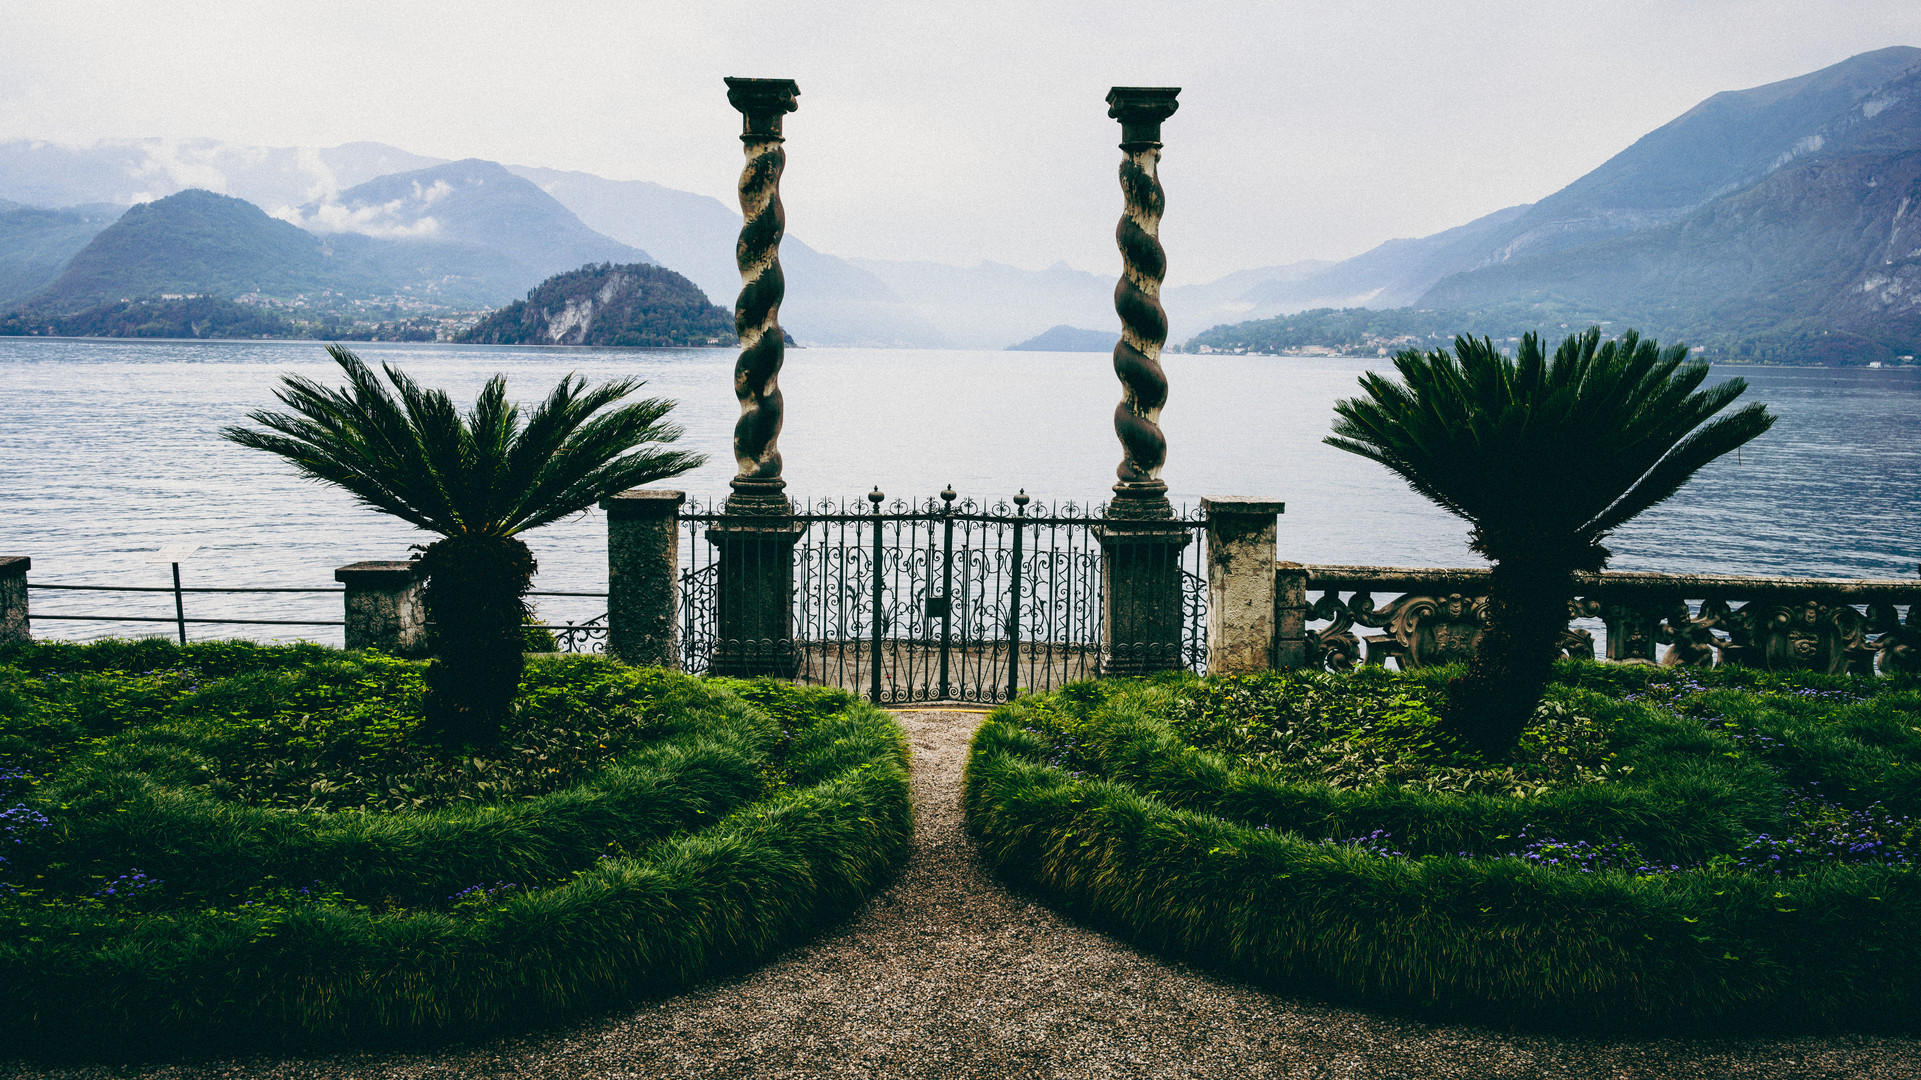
x,y
954,133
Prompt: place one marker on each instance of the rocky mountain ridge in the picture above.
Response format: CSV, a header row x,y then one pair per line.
x,y
633,304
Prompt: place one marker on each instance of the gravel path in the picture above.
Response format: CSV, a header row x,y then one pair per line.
x,y
949,975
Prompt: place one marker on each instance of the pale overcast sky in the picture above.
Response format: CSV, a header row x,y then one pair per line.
x,y
954,133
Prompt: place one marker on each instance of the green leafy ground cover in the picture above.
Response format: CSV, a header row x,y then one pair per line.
x,y
1667,848
232,844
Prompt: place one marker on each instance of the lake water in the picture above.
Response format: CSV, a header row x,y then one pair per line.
x,y
108,450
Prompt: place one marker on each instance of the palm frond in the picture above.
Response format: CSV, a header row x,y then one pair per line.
x,y
1532,447
409,451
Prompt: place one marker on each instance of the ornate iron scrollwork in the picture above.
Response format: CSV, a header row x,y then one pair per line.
x,y
914,601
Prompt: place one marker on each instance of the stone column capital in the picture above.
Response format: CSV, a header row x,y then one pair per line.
x,y
1241,506
644,503
1140,109
762,102
378,574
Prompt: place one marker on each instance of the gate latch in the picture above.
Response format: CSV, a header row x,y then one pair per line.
x,y
938,607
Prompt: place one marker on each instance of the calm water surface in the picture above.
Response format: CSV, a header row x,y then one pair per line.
x,y
108,450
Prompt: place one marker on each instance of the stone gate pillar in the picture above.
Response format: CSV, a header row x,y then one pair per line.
x,y
755,546
1241,629
384,608
643,576
1140,545
13,599
1290,615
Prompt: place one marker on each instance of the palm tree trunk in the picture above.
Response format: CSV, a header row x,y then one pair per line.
x,y
1527,615
476,597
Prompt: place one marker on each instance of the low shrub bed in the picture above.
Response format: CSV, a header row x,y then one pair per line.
x,y
230,844
1668,849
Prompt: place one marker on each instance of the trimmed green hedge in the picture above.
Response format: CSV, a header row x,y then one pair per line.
x,y
728,819
1094,798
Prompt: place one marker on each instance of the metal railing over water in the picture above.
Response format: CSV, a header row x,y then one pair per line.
x,y
179,618
584,635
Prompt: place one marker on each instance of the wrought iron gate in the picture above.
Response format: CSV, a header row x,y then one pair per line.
x,y
941,601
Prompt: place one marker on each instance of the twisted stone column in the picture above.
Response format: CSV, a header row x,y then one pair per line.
x,y
1141,579
1137,298
755,544
757,486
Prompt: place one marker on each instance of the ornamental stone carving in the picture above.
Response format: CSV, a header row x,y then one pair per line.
x,y
1810,624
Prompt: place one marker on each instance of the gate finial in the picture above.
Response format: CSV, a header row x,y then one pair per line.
x,y
1137,357
758,485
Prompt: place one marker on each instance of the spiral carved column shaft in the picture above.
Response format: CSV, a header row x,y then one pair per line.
x,y
755,545
1141,608
757,484
1137,299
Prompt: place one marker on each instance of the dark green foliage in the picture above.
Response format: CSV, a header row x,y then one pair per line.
x,y
1365,330
605,304
1647,896
1509,445
264,857
1372,728
1764,338
477,480
158,317
475,595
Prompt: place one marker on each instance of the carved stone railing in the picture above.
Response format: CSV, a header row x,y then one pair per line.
x,y
1436,616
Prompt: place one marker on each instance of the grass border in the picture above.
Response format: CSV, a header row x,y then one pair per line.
x,y
688,907
1485,940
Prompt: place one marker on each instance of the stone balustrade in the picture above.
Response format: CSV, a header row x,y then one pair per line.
x,y
1435,616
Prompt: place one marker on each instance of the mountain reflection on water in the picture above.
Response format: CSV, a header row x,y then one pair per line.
x,y
108,450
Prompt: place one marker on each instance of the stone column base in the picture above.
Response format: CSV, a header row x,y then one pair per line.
x,y
755,557
1141,589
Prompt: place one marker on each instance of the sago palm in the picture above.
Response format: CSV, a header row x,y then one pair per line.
x,y
1544,458
478,481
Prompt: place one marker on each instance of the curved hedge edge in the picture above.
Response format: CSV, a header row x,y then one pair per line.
x,y
1136,746
693,905
651,794
692,774
1493,939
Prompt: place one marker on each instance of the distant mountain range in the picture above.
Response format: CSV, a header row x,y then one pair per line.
x,y
199,242
360,200
464,234
1771,223
1777,223
35,244
1069,339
